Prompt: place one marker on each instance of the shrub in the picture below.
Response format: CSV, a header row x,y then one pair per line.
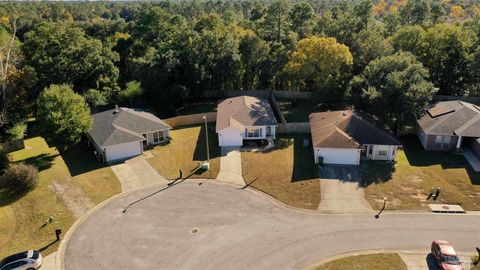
x,y
17,131
20,177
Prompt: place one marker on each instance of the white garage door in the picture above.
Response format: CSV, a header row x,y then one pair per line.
x,y
123,151
230,137
339,156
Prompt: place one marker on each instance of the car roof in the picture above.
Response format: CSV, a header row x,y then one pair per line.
x,y
447,249
14,257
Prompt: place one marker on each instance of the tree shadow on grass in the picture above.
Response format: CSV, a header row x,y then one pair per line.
x,y
9,196
80,159
417,156
200,152
375,172
41,162
304,167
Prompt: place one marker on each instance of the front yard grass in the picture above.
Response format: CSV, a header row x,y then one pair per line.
x,y
286,172
69,185
384,261
187,148
408,183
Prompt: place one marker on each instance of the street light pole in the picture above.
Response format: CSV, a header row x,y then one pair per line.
x,y
383,208
206,137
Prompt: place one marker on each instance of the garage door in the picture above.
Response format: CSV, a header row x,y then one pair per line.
x,y
123,151
339,156
230,137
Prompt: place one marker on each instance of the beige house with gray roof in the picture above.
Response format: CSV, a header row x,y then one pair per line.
x,y
244,118
450,125
123,133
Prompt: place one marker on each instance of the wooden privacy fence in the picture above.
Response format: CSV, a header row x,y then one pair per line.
x,y
11,146
191,119
298,127
277,110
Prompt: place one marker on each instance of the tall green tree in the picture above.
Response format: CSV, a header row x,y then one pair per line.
x,y
319,64
253,54
276,24
302,18
60,53
393,87
62,115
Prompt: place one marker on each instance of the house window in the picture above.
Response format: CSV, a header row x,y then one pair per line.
x,y
370,150
158,136
382,153
442,141
269,131
253,132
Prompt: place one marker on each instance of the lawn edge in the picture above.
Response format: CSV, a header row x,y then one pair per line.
x,y
373,252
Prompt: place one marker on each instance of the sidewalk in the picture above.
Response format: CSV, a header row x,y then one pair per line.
x,y
49,262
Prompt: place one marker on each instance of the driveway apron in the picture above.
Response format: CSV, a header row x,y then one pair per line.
x,y
340,192
136,173
231,166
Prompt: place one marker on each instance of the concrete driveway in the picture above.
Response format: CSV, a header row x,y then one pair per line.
x,y
340,192
217,226
136,173
231,166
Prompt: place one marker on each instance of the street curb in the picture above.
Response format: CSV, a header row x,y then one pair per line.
x,y
60,261
373,251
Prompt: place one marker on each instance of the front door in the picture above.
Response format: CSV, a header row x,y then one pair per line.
x,y
269,131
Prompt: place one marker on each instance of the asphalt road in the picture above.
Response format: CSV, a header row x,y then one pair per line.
x,y
218,226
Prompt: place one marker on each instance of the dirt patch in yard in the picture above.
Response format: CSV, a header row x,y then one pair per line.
x,y
73,197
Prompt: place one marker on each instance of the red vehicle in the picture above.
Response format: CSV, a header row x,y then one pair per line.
x,y
445,256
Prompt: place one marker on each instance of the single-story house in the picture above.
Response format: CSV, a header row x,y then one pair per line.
x,y
343,137
450,125
122,133
244,118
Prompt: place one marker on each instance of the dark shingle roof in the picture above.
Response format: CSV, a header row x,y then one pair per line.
x,y
348,129
244,111
452,118
123,125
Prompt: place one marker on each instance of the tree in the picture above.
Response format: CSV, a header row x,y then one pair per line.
x,y
9,58
393,87
276,24
95,98
302,18
457,12
416,12
446,51
438,13
254,53
409,39
4,162
63,116
318,64
368,45
54,50
132,90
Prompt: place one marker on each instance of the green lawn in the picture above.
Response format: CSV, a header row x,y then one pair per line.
x,y
286,172
185,151
408,183
70,184
385,261
297,112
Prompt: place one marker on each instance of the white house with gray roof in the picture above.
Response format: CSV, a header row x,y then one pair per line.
x,y
122,133
244,118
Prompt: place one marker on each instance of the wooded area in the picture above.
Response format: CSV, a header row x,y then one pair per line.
x,y
387,57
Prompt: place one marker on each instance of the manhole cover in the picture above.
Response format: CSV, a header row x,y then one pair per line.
x,y
445,207
194,231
